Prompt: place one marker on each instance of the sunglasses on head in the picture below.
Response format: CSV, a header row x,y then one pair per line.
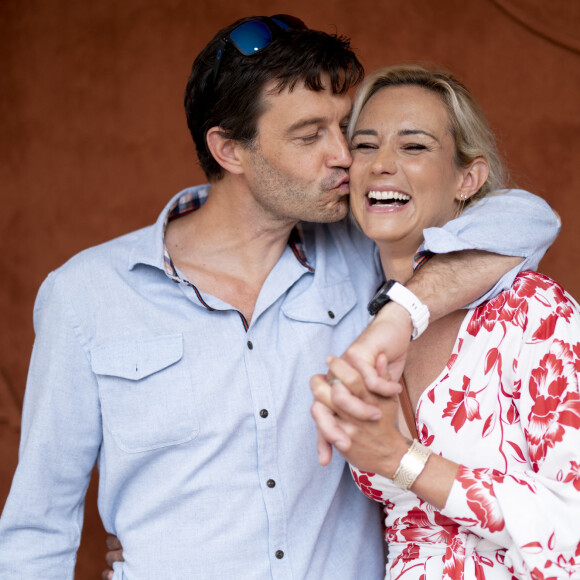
x,y
254,35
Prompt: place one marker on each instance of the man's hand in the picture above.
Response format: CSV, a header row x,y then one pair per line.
x,y
115,554
374,363
372,443
445,283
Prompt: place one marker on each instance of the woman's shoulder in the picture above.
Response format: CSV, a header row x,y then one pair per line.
x,y
548,292
534,288
534,300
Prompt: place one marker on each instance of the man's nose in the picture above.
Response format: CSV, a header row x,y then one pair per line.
x,y
339,155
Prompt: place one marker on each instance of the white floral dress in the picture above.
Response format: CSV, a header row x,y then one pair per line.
x,y
507,409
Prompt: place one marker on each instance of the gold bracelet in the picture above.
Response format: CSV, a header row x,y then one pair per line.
x,y
411,466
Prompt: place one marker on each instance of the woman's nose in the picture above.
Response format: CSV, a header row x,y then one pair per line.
x,y
384,162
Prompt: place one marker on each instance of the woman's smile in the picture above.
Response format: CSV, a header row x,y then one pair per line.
x,y
390,199
404,177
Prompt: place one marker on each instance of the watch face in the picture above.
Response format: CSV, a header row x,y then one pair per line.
x,y
380,298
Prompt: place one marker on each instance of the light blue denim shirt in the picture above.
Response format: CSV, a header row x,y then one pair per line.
x,y
201,428
510,222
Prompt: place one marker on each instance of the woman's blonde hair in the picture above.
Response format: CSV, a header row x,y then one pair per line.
x,y
469,128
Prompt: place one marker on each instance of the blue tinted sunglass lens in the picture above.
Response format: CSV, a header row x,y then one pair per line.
x,y
251,36
281,23
287,22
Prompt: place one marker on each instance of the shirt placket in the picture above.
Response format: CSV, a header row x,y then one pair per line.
x,y
271,483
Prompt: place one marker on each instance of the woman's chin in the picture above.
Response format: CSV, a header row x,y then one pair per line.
x,y
384,231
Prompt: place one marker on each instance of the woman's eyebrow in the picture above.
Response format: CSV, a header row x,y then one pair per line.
x,y
365,132
401,133
417,132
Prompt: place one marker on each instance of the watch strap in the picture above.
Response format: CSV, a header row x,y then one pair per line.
x,y
398,293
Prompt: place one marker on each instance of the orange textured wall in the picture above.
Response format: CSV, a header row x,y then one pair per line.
x,y
93,139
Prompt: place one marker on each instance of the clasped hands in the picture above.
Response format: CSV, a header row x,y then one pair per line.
x,y
356,404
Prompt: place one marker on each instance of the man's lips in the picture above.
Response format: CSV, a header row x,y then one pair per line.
x,y
343,185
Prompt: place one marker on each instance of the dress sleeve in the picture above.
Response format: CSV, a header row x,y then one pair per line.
x,y
61,434
534,511
511,222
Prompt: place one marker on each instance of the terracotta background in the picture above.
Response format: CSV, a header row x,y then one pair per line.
x,y
93,138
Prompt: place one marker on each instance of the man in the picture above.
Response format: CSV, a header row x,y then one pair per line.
x,y
179,356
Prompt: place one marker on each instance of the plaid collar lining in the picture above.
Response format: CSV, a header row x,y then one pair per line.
x,y
193,200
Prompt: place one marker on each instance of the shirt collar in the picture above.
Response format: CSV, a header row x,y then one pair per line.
x,y
150,249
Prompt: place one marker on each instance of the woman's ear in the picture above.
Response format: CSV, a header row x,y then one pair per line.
x,y
224,150
473,178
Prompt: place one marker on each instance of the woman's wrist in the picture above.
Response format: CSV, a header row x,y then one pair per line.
x,y
396,451
411,465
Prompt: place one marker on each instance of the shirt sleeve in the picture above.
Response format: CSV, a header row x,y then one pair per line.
x,y
534,513
61,433
508,222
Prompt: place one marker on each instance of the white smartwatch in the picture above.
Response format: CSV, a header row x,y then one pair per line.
x,y
393,291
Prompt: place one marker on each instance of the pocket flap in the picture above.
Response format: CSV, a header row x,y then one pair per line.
x,y
137,358
325,305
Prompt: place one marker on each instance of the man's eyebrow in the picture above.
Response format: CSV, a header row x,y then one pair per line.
x,y
305,123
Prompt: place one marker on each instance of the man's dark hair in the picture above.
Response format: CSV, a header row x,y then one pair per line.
x,y
234,102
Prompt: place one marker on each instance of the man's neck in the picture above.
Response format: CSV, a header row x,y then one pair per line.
x,y
228,246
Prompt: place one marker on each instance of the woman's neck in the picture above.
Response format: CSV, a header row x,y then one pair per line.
x,y
397,262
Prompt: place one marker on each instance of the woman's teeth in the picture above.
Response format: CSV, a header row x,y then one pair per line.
x,y
387,197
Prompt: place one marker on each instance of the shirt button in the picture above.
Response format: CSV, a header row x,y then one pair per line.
x,y
263,413
271,483
279,554
330,314
250,345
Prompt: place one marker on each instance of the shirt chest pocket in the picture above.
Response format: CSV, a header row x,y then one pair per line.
x,y
146,392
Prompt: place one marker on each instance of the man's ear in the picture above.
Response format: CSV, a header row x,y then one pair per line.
x,y
473,178
224,150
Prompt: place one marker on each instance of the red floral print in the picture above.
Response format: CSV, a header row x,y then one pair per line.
x,y
410,552
555,406
454,559
481,497
463,406
508,307
426,438
362,480
573,475
506,409
418,526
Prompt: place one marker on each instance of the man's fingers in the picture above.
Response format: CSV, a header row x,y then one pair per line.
x,y
328,428
113,542
376,378
348,375
348,404
339,399
114,556
324,450
321,389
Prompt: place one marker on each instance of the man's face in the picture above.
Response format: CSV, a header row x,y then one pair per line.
x,y
297,167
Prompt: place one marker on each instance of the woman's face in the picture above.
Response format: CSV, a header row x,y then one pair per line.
x,y
403,177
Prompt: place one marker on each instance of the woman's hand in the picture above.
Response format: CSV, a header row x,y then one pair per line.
x,y
380,352
374,444
361,425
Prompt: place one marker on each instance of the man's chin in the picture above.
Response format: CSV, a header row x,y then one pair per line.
x,y
331,215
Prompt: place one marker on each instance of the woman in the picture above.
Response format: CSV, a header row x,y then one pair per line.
x,y
490,488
